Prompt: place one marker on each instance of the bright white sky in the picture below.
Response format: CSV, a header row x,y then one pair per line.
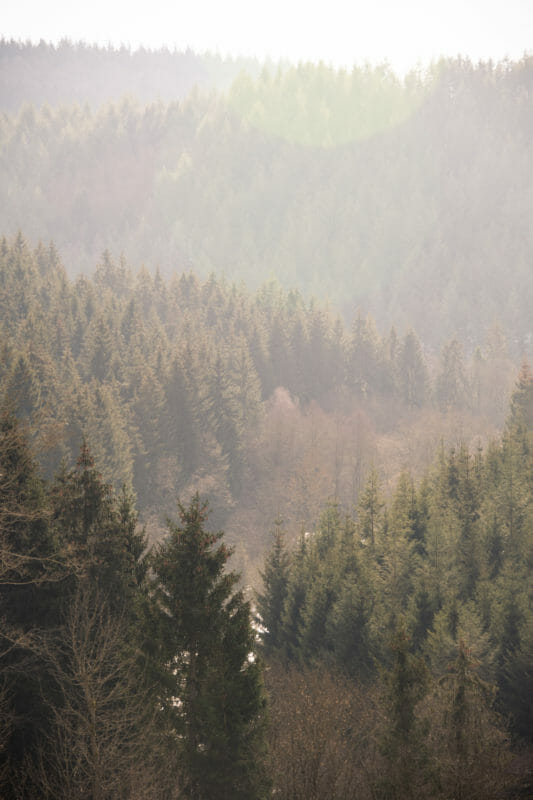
x,y
402,32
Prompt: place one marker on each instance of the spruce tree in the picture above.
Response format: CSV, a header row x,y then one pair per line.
x,y
97,531
403,746
369,509
413,375
214,694
297,591
516,683
270,602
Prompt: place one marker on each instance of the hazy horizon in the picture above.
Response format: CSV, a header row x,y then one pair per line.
x,y
340,34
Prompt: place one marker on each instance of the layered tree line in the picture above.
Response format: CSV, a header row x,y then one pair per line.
x,y
264,402
124,674
400,639
398,642
391,649
407,198
77,72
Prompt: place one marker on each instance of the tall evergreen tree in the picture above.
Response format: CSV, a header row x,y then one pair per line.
x,y
405,686
413,375
214,692
98,532
271,600
370,508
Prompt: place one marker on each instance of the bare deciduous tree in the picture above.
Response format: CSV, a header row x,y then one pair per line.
x,y
105,740
320,735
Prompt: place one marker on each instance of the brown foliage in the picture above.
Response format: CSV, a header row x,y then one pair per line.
x,y
320,735
105,740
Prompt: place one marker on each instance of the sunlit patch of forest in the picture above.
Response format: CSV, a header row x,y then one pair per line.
x,y
412,201
266,429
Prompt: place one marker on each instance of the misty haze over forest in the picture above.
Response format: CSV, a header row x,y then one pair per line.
x,y
291,302
406,199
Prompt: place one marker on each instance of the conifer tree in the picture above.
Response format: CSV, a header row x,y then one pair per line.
x,y
451,384
369,509
413,375
363,356
214,695
516,683
297,589
404,687
398,560
179,424
325,564
271,600
521,412
466,738
467,510
349,627
98,532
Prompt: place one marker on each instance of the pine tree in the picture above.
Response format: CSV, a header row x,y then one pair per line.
x,y
363,356
404,687
270,602
451,385
522,400
369,509
398,559
467,505
466,738
349,628
98,532
179,423
297,590
214,690
516,683
413,375
327,560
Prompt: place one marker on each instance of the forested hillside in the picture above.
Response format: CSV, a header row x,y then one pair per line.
x,y
111,660
430,590
406,198
265,403
90,75
293,304
398,641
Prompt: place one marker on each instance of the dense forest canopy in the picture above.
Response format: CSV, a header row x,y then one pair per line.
x,y
407,198
268,404
292,302
75,72
399,639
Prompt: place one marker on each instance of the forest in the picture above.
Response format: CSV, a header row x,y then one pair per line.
x,y
266,428
406,198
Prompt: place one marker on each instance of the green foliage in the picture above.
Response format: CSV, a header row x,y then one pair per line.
x,y
470,757
94,667
271,600
214,695
412,371
391,202
98,532
451,388
369,510
403,744
516,681
267,402
315,105
447,563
